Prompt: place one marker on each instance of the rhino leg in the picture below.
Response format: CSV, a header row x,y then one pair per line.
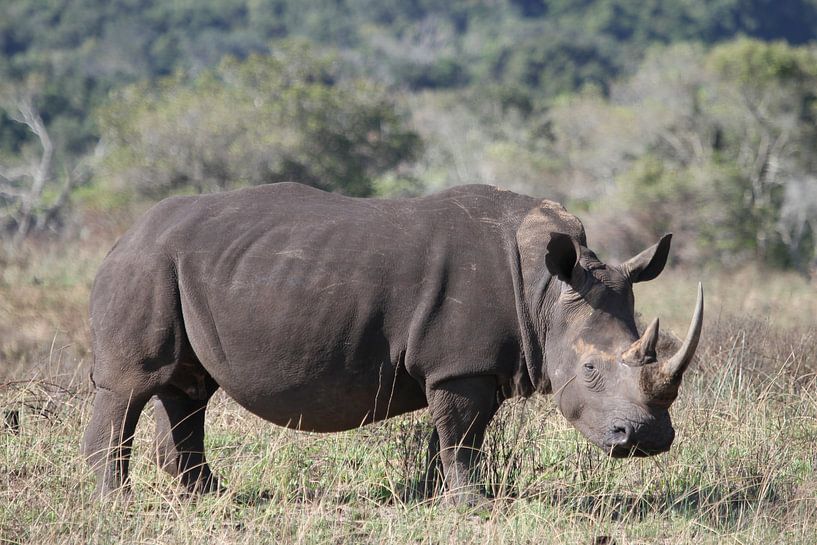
x,y
109,436
140,350
434,470
180,438
461,410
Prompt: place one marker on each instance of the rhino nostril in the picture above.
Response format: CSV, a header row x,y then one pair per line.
x,y
623,435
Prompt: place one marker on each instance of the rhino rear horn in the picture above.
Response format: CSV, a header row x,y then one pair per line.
x,y
642,351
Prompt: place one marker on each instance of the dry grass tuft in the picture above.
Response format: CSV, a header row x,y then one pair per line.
x,y
743,468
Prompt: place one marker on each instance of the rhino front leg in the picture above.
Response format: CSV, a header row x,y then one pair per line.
x,y
461,410
180,439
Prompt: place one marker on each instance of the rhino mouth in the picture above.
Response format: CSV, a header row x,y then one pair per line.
x,y
637,451
637,440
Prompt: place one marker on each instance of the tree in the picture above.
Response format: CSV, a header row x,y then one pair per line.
x,y
27,197
713,144
289,116
766,108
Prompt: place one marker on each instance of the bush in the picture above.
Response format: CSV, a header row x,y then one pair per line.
x,y
290,116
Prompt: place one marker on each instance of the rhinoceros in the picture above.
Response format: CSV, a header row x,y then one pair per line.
x,y
322,312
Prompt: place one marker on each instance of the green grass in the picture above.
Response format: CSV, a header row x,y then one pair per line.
x,y
743,468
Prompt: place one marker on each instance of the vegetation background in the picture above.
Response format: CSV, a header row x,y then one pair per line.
x,y
641,117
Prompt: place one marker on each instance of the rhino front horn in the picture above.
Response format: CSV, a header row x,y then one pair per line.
x,y
660,381
677,364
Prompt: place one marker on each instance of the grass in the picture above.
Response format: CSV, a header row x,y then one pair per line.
x,y
743,468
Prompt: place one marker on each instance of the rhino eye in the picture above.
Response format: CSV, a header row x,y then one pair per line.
x,y
593,379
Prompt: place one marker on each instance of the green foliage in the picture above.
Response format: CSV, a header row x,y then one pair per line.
x,y
556,62
712,145
288,116
766,118
654,185
596,102
85,48
758,64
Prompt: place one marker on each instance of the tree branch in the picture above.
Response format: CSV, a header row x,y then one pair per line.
x,y
31,117
14,173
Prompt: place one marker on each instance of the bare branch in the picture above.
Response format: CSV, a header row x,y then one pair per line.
x,y
22,187
12,174
10,191
31,117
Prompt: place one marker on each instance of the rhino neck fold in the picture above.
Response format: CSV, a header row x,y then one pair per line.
x,y
531,373
532,281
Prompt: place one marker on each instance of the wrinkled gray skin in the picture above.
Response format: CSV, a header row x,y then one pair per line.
x,y
323,313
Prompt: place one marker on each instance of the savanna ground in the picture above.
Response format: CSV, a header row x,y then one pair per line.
x,y
743,468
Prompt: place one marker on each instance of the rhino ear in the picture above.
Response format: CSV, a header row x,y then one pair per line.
x,y
649,263
562,258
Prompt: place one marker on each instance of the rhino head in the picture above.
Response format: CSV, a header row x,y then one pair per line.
x,y
607,379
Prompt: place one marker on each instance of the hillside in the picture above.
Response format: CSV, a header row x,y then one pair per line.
x,y
545,97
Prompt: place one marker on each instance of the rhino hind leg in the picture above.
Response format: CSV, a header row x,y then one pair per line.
x,y
461,410
109,436
433,479
141,349
180,438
